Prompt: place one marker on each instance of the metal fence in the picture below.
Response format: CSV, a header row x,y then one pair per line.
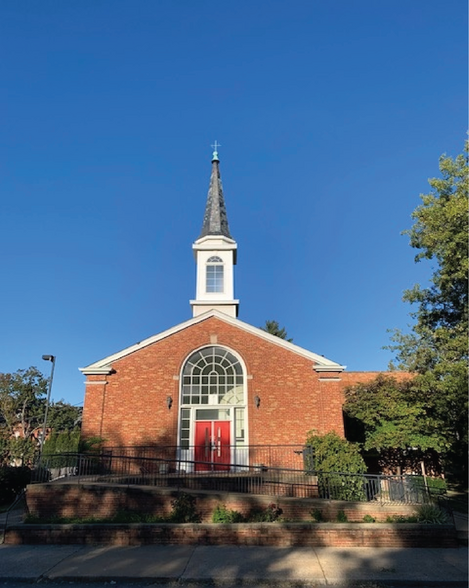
x,y
282,456
130,468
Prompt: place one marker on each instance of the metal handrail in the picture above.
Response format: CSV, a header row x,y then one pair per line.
x,y
111,468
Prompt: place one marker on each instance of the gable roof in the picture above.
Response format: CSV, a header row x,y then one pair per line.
x,y
104,366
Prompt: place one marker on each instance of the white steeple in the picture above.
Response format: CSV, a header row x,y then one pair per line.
x,y
215,253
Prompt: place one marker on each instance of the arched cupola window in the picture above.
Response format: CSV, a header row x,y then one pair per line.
x,y
214,281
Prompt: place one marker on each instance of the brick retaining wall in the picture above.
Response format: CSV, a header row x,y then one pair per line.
x,y
266,534
94,500
99,501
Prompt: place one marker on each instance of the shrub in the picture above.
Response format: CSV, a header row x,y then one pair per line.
x,y
330,455
369,519
432,514
269,514
222,514
183,509
12,481
60,449
124,516
424,513
317,515
401,519
91,445
342,517
21,450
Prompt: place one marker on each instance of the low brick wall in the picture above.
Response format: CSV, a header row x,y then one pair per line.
x,y
266,534
95,500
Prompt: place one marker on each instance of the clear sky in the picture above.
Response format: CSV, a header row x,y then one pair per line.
x,y
331,116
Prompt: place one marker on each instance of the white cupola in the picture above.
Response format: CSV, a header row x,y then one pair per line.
x,y
215,253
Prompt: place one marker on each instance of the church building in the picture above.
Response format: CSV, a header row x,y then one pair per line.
x,y
213,386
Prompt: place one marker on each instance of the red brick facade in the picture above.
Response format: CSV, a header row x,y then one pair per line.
x,y
129,405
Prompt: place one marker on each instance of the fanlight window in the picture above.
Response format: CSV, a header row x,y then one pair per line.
x,y
212,376
214,282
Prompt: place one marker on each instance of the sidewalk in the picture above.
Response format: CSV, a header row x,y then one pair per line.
x,y
230,565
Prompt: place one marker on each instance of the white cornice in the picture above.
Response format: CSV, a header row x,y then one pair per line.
x,y
215,243
103,370
214,302
325,368
209,241
322,364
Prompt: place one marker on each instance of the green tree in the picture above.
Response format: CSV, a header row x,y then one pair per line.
x,y
22,401
22,408
395,417
63,416
60,443
436,349
64,420
274,328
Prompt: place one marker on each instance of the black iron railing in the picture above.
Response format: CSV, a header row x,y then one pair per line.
x,y
283,456
165,471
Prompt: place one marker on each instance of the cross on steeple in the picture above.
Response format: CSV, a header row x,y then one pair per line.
x,y
215,150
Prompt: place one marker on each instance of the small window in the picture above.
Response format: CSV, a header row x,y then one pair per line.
x,y
214,282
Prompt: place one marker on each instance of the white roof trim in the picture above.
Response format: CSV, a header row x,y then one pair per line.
x,y
105,365
106,369
325,368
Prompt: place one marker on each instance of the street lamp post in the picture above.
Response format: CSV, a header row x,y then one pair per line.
x,y
50,358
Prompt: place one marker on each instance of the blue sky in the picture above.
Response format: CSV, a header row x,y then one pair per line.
x,y
331,116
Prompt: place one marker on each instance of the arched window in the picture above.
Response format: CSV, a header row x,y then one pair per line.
x,y
212,376
213,409
214,276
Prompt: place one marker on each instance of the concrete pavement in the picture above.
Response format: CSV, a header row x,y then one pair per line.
x,y
233,565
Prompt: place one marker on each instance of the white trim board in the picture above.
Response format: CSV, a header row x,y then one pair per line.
x,y
104,365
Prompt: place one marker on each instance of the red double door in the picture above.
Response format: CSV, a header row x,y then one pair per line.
x,y
212,445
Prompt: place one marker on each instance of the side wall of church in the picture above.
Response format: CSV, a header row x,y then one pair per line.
x,y
130,407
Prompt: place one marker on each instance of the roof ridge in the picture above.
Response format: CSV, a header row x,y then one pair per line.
x,y
321,361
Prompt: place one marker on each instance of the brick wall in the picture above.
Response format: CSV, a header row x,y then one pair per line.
x,y
128,407
93,500
98,501
273,534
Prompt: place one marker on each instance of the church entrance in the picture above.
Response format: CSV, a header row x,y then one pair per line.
x,y
212,445
212,424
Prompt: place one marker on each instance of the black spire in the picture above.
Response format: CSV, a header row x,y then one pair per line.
x,y
215,218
